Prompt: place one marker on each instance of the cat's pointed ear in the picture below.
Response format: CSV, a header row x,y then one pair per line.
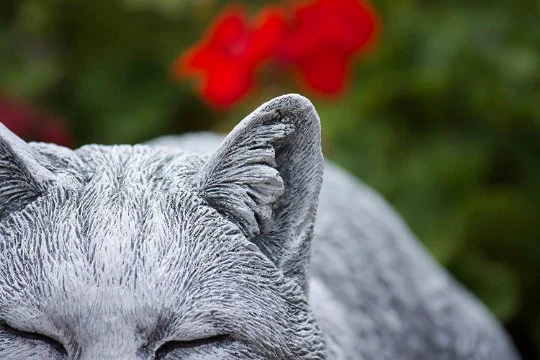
x,y
266,178
22,177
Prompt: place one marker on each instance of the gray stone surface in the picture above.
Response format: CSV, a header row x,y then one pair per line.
x,y
194,248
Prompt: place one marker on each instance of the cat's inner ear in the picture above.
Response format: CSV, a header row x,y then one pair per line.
x,y
266,177
242,180
22,177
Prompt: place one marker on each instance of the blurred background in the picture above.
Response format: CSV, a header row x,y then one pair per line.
x,y
438,109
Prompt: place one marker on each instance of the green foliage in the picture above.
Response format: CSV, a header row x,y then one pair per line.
x,y
443,117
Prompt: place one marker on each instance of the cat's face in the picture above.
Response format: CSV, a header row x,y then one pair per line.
x,y
147,253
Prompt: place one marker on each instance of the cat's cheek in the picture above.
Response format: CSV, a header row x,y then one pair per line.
x,y
233,351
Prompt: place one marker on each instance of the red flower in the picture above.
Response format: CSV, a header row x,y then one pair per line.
x,y
226,59
320,41
32,124
323,38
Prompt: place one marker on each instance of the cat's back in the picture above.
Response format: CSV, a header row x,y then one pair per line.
x,y
396,302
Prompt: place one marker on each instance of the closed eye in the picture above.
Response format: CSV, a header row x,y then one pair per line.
x,y
174,345
56,345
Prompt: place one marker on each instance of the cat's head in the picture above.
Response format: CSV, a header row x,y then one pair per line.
x,y
139,252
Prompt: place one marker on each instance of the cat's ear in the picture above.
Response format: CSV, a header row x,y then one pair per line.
x,y
22,177
266,177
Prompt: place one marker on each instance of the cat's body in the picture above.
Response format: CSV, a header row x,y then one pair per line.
x,y
375,291
153,252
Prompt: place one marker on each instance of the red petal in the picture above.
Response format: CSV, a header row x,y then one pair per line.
x,y
16,117
206,58
32,124
362,24
268,31
228,28
226,59
224,87
325,71
225,35
350,24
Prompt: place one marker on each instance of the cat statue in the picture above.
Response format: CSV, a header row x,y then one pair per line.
x,y
199,247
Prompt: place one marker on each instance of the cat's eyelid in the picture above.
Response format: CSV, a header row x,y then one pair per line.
x,y
172,345
32,335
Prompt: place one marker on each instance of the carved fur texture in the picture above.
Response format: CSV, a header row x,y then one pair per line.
x,y
199,247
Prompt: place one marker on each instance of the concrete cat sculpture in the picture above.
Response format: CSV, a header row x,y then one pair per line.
x,y
152,252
